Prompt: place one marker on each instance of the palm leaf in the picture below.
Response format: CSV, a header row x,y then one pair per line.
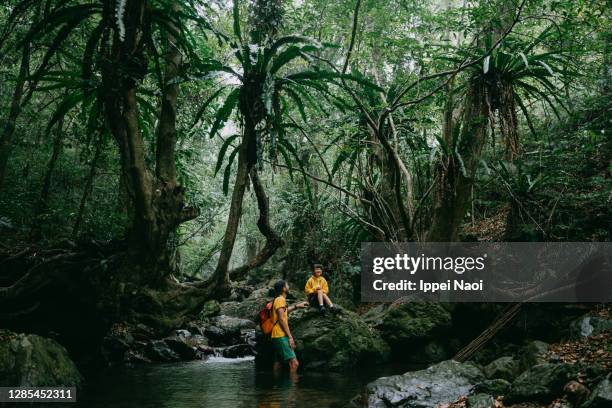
x,y
65,106
205,105
57,18
88,53
290,39
298,102
295,155
287,159
236,20
222,151
228,170
287,56
225,111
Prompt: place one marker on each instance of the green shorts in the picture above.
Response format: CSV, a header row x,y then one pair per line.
x,y
282,348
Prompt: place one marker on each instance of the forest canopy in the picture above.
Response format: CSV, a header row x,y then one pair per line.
x,y
186,144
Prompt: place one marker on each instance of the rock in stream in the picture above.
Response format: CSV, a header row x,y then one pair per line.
x,y
442,383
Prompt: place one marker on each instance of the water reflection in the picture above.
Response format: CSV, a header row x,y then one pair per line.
x,y
224,383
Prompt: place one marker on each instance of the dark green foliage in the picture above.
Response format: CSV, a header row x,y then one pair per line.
x,y
322,165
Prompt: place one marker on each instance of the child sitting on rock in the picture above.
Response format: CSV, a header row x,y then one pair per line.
x,y
317,289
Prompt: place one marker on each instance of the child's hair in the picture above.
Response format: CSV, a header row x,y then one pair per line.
x,y
315,266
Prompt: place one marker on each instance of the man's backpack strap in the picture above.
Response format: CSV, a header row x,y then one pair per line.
x,y
277,318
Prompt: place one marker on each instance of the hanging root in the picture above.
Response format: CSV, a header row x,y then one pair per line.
x,y
82,288
273,241
26,274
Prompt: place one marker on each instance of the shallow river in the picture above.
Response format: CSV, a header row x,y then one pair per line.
x,y
224,383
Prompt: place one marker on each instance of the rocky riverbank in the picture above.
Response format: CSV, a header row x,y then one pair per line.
x,y
570,373
573,373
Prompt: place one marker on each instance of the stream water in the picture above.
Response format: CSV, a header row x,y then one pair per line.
x,y
224,383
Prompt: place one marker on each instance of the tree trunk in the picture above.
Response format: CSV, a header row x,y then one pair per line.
x,y
384,210
43,200
88,186
121,280
221,274
252,111
508,122
273,241
158,200
457,169
8,130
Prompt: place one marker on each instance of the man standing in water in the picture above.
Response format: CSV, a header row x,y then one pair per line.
x,y
282,340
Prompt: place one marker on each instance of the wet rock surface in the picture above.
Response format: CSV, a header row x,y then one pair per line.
x,y
589,325
494,387
336,341
417,326
506,368
601,396
532,354
480,401
541,382
29,360
442,383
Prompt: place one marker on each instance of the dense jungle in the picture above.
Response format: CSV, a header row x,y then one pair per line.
x,y
164,162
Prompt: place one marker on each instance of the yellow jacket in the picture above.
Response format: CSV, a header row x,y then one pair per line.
x,y
313,283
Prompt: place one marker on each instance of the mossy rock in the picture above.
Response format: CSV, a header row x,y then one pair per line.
x,y
506,368
438,385
532,354
336,342
210,309
542,382
414,322
249,307
28,360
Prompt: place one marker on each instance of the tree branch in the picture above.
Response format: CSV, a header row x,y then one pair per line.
x,y
353,33
273,240
329,183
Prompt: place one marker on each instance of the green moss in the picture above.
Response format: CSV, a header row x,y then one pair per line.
x,y
31,360
414,322
336,342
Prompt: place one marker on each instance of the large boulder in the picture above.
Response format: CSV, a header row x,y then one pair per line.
x,y
185,347
228,330
601,396
335,342
439,384
506,368
495,387
28,360
158,350
413,321
588,325
532,354
480,401
415,326
238,350
249,307
135,344
210,309
542,382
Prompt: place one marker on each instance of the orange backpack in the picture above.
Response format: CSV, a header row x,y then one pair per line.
x,y
265,319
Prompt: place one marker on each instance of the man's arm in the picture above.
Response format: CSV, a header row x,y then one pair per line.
x,y
325,287
296,306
